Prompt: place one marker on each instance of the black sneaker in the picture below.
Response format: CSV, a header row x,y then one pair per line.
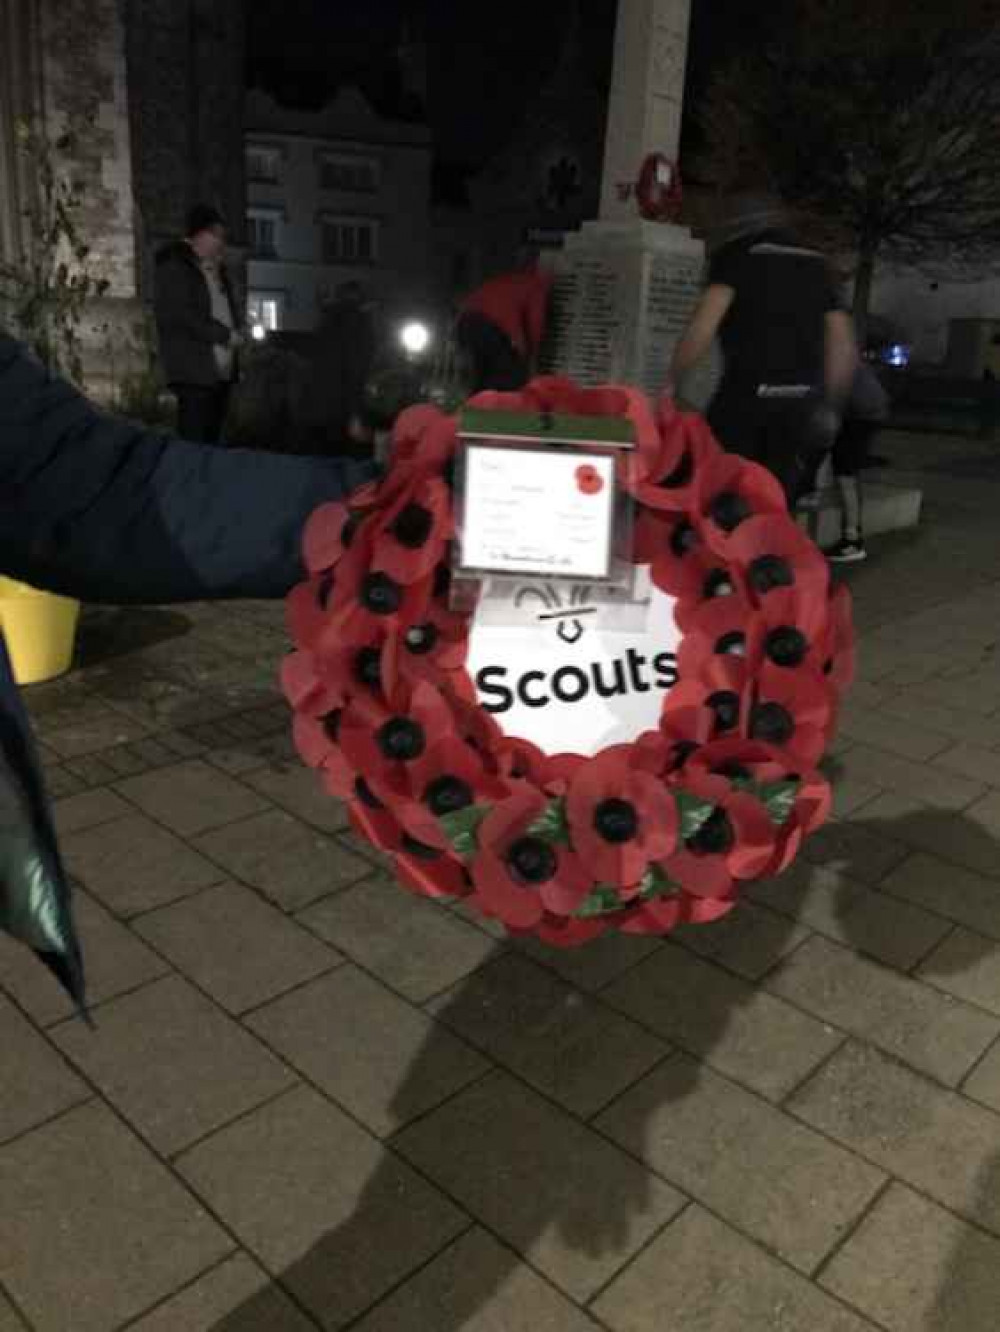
x,y
847,552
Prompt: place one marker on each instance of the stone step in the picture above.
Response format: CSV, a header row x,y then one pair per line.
x,y
887,508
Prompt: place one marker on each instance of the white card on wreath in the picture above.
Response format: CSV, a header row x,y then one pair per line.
x,y
538,511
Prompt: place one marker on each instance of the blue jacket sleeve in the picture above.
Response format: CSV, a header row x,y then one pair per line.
x,y
107,511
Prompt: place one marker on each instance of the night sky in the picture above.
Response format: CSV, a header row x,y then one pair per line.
x,y
481,72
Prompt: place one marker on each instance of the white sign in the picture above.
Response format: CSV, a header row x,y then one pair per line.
x,y
575,680
538,511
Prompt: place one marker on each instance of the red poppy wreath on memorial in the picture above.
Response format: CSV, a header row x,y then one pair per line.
x,y
640,837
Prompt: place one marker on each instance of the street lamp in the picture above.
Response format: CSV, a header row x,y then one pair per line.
x,y
415,337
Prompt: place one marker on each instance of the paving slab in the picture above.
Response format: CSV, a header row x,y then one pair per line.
x,y
94,1230
925,1135
567,1045
237,947
414,945
379,1057
38,1083
777,1181
744,1032
192,797
577,1207
700,1275
174,1065
322,1204
913,1021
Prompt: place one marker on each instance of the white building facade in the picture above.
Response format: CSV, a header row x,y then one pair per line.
x,y
334,196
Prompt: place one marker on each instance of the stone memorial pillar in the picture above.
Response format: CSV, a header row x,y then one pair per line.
x,y
624,287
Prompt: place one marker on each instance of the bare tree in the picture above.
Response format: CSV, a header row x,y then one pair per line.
x,y
878,121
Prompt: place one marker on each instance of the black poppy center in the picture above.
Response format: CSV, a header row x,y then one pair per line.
x,y
368,667
715,836
401,739
787,646
769,572
380,594
682,539
413,526
616,820
324,588
729,509
532,860
734,771
681,475
726,706
771,723
717,584
331,725
733,644
421,639
447,795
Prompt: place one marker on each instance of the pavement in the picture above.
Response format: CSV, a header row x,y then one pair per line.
x,y
312,1101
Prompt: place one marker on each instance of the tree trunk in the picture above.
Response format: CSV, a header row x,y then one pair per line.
x,y
864,280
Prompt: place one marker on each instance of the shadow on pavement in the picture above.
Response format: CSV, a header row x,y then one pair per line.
x,y
107,634
447,1295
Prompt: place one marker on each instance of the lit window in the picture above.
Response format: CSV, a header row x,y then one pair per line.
x,y
349,173
263,164
350,240
262,234
265,309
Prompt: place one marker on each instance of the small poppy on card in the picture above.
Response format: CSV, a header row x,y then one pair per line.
x,y
589,480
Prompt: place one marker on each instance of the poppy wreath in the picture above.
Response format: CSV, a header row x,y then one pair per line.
x,y
640,837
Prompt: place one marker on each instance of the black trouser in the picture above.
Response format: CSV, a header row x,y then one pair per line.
x,y
776,432
201,411
495,362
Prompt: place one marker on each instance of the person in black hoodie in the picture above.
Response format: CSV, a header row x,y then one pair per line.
x,y
787,342
104,510
199,322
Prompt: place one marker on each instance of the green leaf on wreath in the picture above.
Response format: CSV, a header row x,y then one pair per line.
x,y
601,902
779,799
655,884
462,828
694,813
552,825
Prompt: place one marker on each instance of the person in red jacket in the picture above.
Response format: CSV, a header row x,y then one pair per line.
x,y
501,326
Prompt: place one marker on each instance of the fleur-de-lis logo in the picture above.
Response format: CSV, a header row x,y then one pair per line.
x,y
567,618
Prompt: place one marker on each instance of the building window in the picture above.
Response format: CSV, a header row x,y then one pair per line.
x,y
350,173
262,234
266,310
263,163
350,240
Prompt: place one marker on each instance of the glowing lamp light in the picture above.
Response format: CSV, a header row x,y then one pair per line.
x,y
258,332
415,338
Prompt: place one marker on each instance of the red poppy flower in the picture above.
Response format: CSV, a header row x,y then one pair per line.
x,y
589,480
383,738
737,841
621,819
424,439
434,650
729,492
723,627
774,556
792,710
561,932
307,686
443,877
409,539
714,703
672,547
517,875
328,534
667,477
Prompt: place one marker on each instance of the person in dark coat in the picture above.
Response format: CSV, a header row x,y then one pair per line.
x,y
787,342
199,324
501,326
103,510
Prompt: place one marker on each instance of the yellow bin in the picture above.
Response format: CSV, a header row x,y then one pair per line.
x,y
40,630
